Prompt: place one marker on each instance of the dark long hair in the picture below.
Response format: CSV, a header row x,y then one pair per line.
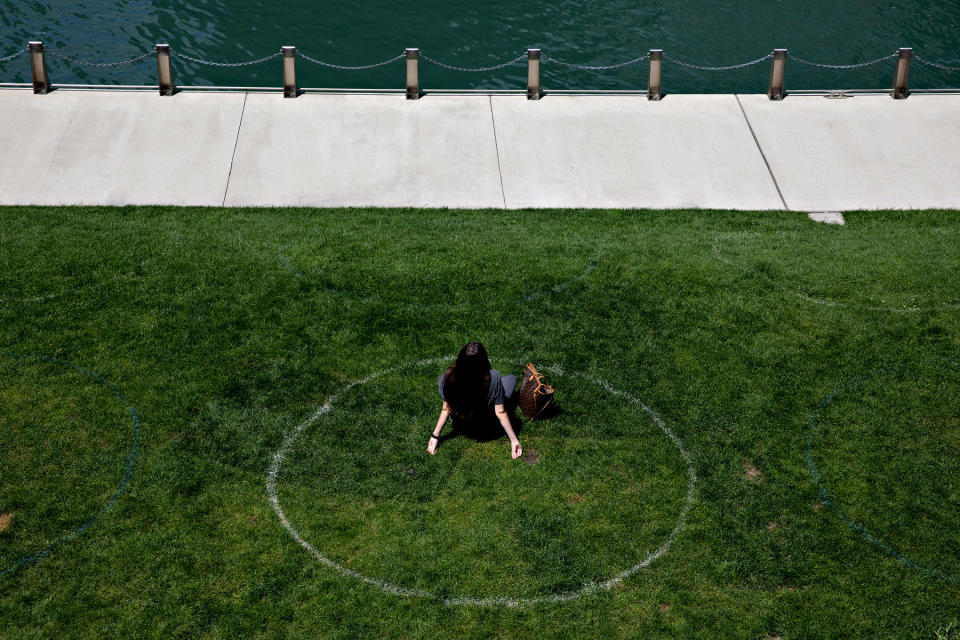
x,y
467,382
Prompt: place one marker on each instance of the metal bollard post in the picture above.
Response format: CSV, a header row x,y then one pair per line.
x,y
413,76
655,76
289,72
777,68
533,74
901,75
38,67
164,75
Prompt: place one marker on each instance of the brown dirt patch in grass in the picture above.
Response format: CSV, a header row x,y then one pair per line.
x,y
574,498
751,473
771,525
664,607
532,457
6,519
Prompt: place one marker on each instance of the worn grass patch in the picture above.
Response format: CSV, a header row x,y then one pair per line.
x,y
65,444
876,446
227,328
469,518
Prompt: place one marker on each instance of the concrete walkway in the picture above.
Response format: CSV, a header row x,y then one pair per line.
x,y
805,153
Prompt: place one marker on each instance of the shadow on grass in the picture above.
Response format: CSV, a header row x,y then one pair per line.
x,y
490,430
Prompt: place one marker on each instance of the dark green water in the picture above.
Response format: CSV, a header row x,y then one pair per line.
x,y
473,34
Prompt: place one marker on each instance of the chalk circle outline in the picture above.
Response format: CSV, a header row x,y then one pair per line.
x,y
128,462
566,284
74,291
826,302
829,499
29,299
394,589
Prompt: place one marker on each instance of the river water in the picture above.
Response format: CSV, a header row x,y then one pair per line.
x,y
477,34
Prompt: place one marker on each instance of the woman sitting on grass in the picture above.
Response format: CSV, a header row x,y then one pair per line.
x,y
475,396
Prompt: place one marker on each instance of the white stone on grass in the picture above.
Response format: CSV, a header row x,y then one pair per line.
x,y
827,217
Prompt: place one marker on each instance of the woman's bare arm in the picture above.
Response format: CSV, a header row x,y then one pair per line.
x,y
442,420
515,449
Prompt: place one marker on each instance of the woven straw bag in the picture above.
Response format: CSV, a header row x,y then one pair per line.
x,y
535,394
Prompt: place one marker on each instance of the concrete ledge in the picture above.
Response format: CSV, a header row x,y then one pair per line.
x,y
339,150
861,152
115,148
626,151
256,149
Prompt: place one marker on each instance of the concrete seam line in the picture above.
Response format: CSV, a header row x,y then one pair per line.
x,y
762,154
830,500
128,462
496,146
273,475
234,154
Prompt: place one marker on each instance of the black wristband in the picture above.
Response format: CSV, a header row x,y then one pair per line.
x,y
433,436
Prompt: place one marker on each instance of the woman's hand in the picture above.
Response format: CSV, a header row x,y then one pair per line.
x,y
515,449
441,421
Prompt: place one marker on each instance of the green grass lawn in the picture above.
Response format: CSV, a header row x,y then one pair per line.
x,y
810,373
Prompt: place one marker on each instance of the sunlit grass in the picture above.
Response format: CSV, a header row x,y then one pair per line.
x,y
226,329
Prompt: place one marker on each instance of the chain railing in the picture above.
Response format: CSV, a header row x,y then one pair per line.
x,y
534,57
211,63
495,67
341,67
842,66
87,63
935,64
731,67
589,67
14,55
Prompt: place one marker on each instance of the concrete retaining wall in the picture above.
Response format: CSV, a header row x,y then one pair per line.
x,y
805,153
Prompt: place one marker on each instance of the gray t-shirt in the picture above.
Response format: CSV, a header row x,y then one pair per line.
x,y
494,394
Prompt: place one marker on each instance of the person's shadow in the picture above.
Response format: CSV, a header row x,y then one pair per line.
x,y
490,430
487,430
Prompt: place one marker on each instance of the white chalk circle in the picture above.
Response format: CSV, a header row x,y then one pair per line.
x,y
825,302
829,499
128,462
420,307
273,477
26,299
75,291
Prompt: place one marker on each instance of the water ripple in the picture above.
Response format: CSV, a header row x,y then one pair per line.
x,y
479,34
